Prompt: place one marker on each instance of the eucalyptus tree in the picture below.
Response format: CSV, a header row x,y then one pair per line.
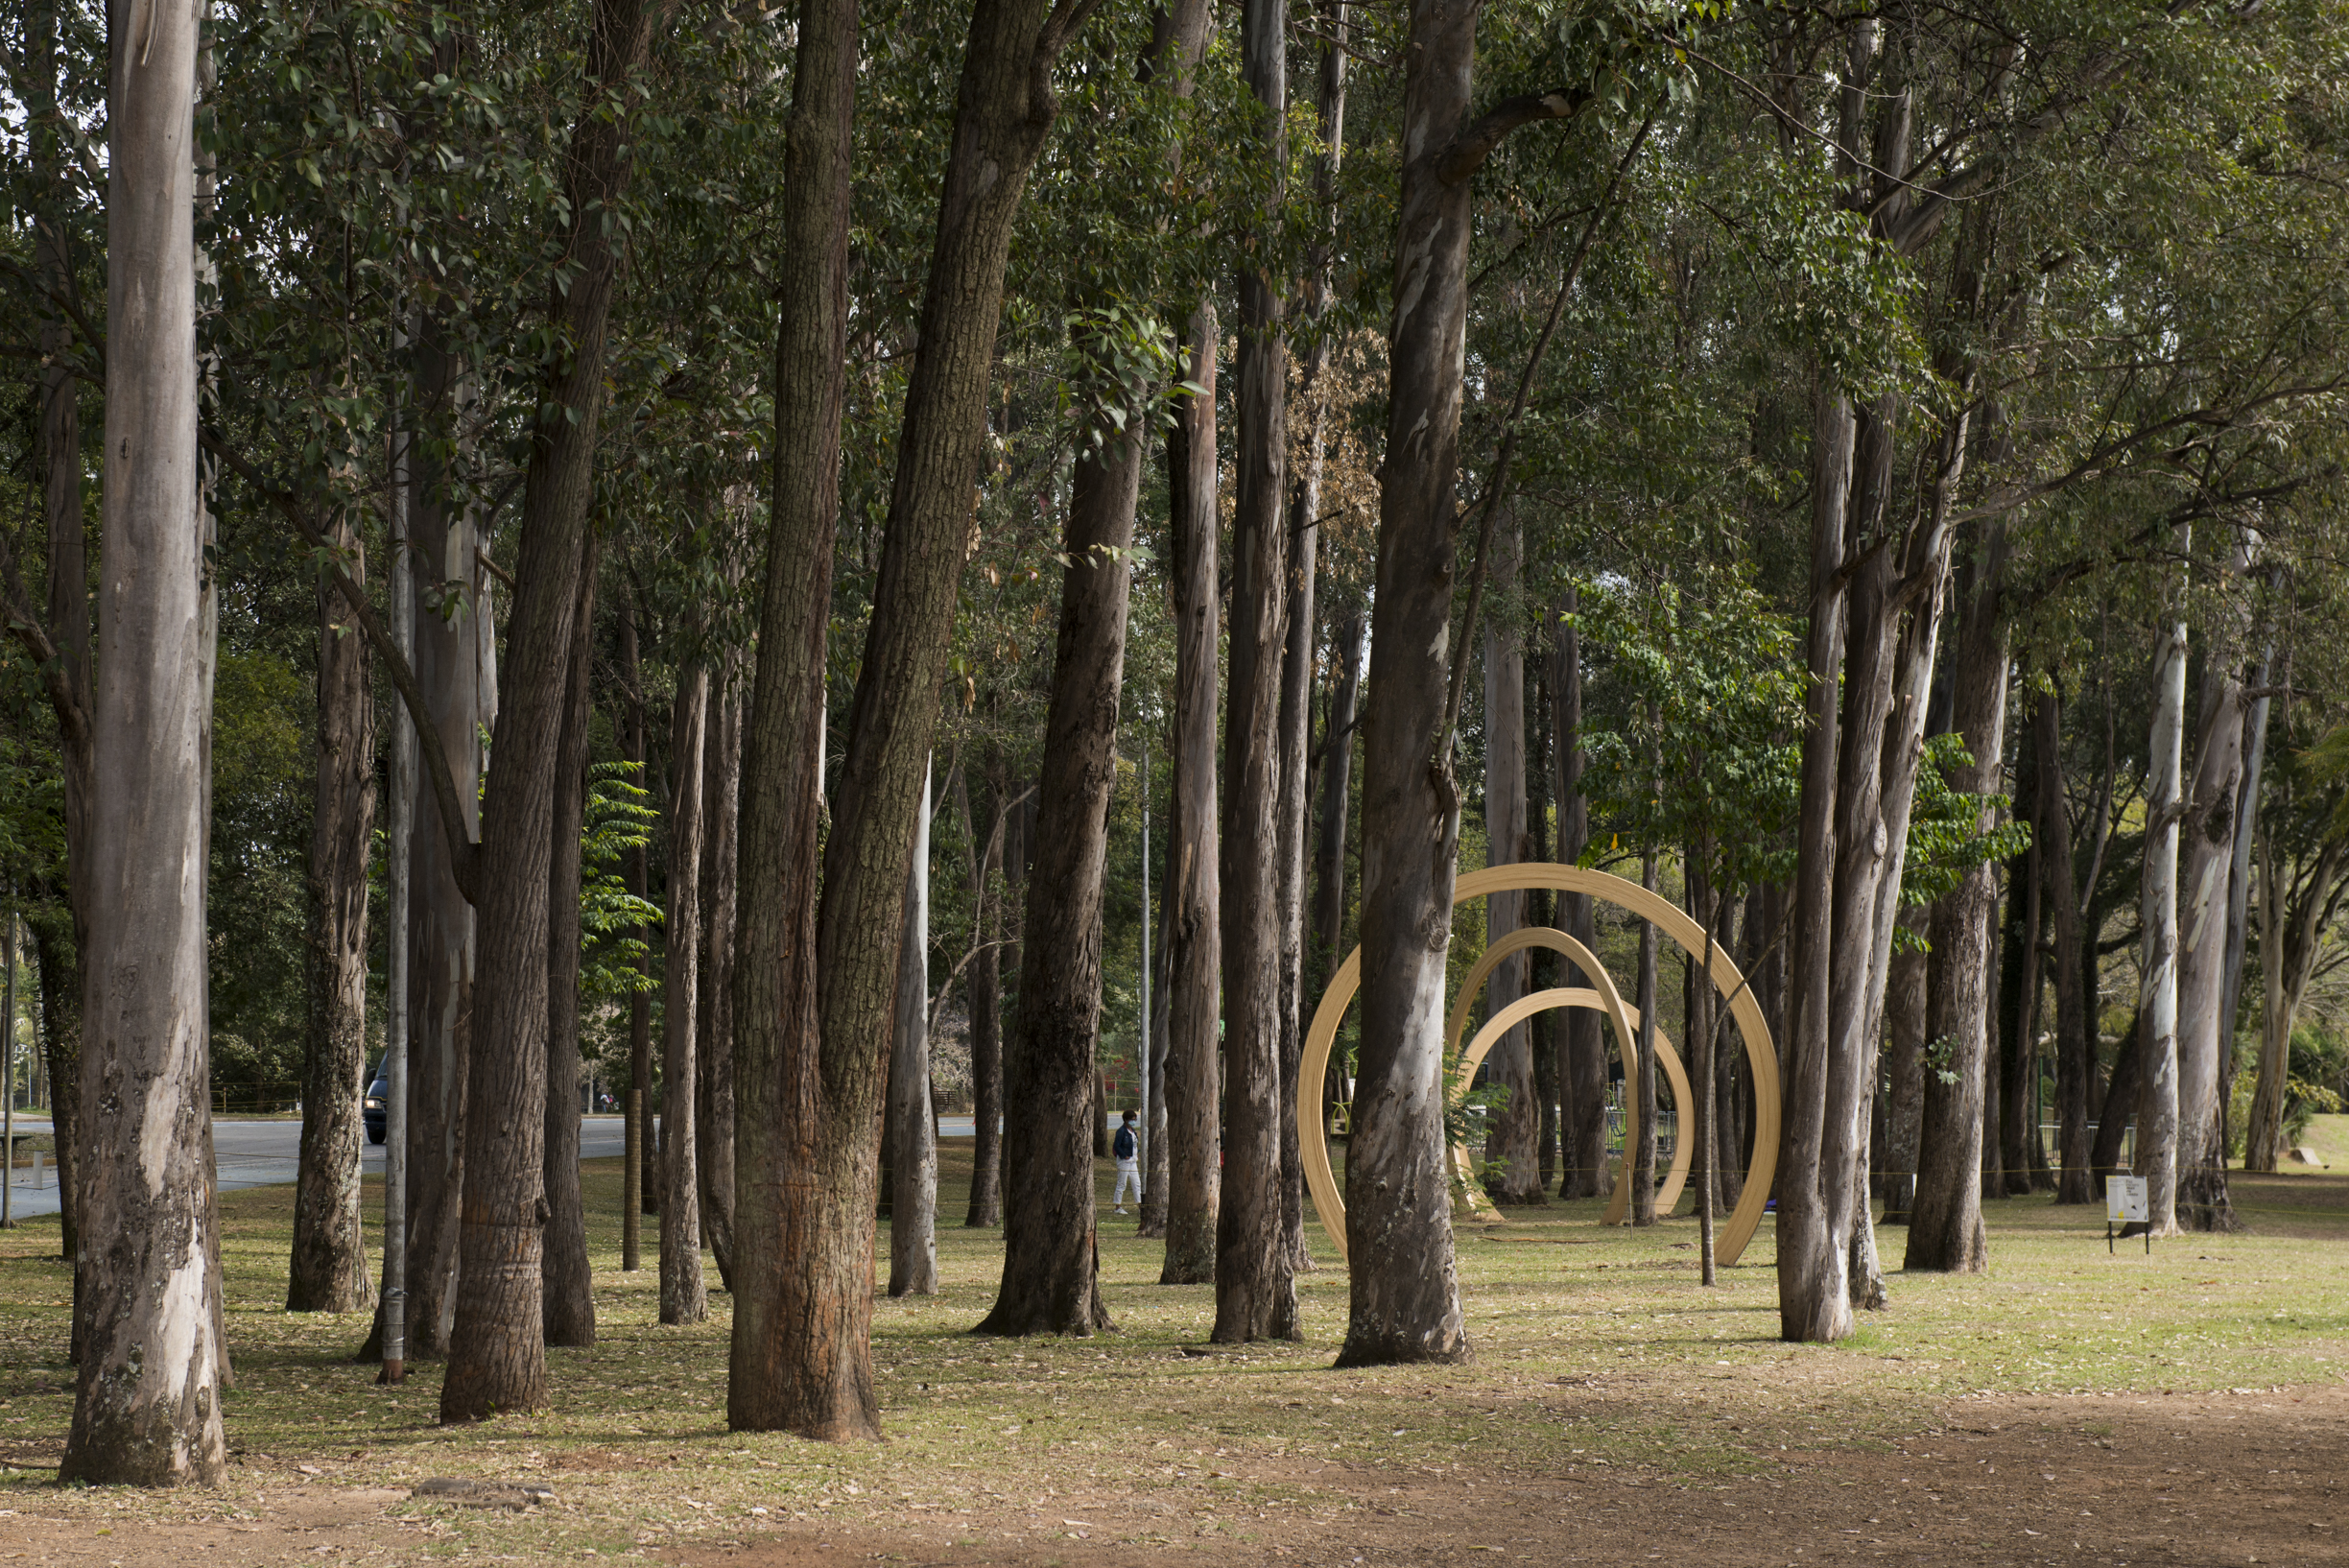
x,y
1255,1263
1120,360
1301,648
1192,1075
61,174
2304,876
147,1408
1405,1298
802,1357
497,1354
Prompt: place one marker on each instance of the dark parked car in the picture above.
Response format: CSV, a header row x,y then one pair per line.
x,y
371,1110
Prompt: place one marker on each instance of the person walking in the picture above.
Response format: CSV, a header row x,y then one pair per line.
x,y
1126,1148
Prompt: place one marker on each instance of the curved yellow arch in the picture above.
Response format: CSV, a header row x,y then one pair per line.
x,y
1760,1054
1668,1192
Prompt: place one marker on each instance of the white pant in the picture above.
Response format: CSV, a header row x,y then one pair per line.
x,y
1129,1173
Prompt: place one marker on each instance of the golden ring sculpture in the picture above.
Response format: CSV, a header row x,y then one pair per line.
x,y
1605,999
1761,1055
1618,1207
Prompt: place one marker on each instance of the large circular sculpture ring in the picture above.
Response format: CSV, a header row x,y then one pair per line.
x,y
1607,999
1760,1054
1668,1192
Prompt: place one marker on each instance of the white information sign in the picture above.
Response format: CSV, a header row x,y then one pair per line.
x,y
2124,1200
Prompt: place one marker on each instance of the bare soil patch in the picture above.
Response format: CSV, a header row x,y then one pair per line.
x,y
2141,1479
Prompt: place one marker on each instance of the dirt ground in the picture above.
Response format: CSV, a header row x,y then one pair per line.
x,y
2121,1480
2249,1477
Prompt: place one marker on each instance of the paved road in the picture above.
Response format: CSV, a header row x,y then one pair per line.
x,y
267,1153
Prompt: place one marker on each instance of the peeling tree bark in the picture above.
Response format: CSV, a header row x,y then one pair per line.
x,y
2205,893
2157,1074
147,1406
1945,1231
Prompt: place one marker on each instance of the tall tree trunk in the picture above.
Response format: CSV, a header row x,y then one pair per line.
x,y
497,1352
146,1406
1151,1213
1337,785
328,1271
987,1008
2209,833
1814,1301
2119,1105
794,1360
1192,923
1582,1068
1641,1131
1050,1273
913,1192
60,1002
1194,1075
2157,1077
2239,873
803,1355
1903,1072
2075,1033
639,1181
1874,619
1702,1025
453,653
65,660
2292,930
1298,968
714,1009
683,1296
1945,1230
2018,1128
1512,1142
1405,1297
1294,762
566,1276
1255,1287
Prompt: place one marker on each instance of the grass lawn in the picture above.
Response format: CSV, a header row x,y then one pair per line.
x,y
1601,1364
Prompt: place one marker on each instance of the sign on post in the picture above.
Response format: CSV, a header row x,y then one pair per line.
x,y
2124,1202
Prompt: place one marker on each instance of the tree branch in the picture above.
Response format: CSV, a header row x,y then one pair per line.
x,y
463,856
1469,150
1498,481
73,718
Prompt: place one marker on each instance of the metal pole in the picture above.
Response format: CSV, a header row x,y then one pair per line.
x,y
1142,1055
395,1001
